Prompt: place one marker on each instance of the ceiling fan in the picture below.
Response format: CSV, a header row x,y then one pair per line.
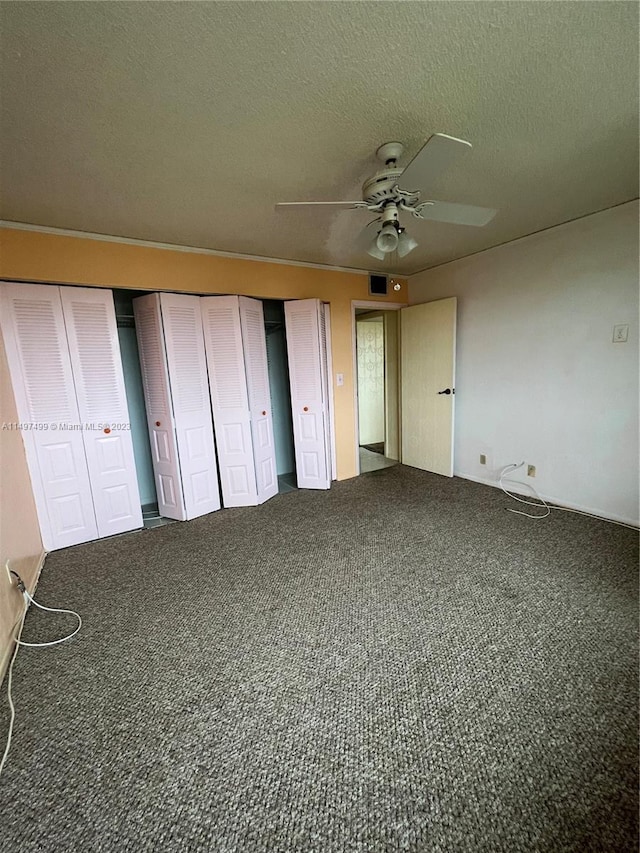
x,y
382,194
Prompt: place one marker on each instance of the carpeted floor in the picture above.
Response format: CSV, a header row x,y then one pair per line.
x,y
397,664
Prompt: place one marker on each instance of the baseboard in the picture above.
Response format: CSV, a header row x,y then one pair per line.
x,y
525,491
5,654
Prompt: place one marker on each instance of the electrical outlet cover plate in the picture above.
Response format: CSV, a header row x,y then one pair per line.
x,y
621,333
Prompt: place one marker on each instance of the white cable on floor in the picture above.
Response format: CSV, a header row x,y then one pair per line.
x,y
9,679
52,610
544,505
514,467
18,642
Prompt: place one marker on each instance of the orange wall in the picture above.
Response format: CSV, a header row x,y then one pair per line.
x,y
61,259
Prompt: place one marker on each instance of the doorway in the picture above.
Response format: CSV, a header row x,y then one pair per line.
x,y
376,346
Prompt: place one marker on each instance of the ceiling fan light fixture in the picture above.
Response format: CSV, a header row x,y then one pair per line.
x,y
375,252
387,239
406,244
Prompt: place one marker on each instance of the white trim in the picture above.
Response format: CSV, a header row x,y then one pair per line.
x,y
381,306
326,307
550,500
150,244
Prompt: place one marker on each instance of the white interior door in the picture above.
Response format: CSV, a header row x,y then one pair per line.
x,y
308,392
427,367
371,375
38,355
96,363
229,399
157,398
255,358
187,365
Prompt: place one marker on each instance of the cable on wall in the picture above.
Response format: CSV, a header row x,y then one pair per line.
x,y
513,466
18,642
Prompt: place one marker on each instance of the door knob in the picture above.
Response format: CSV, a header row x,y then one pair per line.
x,y
447,391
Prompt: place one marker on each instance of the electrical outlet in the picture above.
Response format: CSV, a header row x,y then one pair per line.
x,y
483,459
531,470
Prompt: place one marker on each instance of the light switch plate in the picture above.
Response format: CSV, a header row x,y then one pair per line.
x,y
339,378
621,333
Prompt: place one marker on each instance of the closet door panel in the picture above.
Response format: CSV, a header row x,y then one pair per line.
x,y
255,357
38,355
308,398
324,378
157,398
330,400
92,333
186,361
229,399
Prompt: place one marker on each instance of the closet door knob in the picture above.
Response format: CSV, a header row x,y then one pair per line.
x,y
106,430
306,409
264,413
158,423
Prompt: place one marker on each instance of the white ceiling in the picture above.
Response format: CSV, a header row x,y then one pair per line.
x,y
186,122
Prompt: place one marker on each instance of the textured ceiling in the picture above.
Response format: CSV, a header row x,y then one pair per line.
x,y
186,122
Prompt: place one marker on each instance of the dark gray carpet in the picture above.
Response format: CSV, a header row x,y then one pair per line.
x,y
395,665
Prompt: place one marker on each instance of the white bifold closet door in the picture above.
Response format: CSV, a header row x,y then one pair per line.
x,y
67,378
176,392
96,363
307,353
239,381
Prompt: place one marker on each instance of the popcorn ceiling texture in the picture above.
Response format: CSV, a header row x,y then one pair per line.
x,y
186,122
396,664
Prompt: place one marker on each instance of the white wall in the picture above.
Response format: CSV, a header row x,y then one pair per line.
x,y
370,358
538,376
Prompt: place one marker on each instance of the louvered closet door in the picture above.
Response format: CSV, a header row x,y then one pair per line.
x,y
38,355
92,333
157,398
229,399
255,358
308,397
184,341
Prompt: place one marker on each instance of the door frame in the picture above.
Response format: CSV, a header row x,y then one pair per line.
x,y
372,306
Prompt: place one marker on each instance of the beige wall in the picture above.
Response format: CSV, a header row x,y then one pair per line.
x,y
20,541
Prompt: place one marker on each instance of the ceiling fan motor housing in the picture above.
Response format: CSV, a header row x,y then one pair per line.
x,y
383,186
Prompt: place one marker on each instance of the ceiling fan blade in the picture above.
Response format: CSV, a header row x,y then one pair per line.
x,y
436,155
353,204
458,214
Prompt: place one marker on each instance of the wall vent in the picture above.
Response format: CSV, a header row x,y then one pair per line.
x,y
378,285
